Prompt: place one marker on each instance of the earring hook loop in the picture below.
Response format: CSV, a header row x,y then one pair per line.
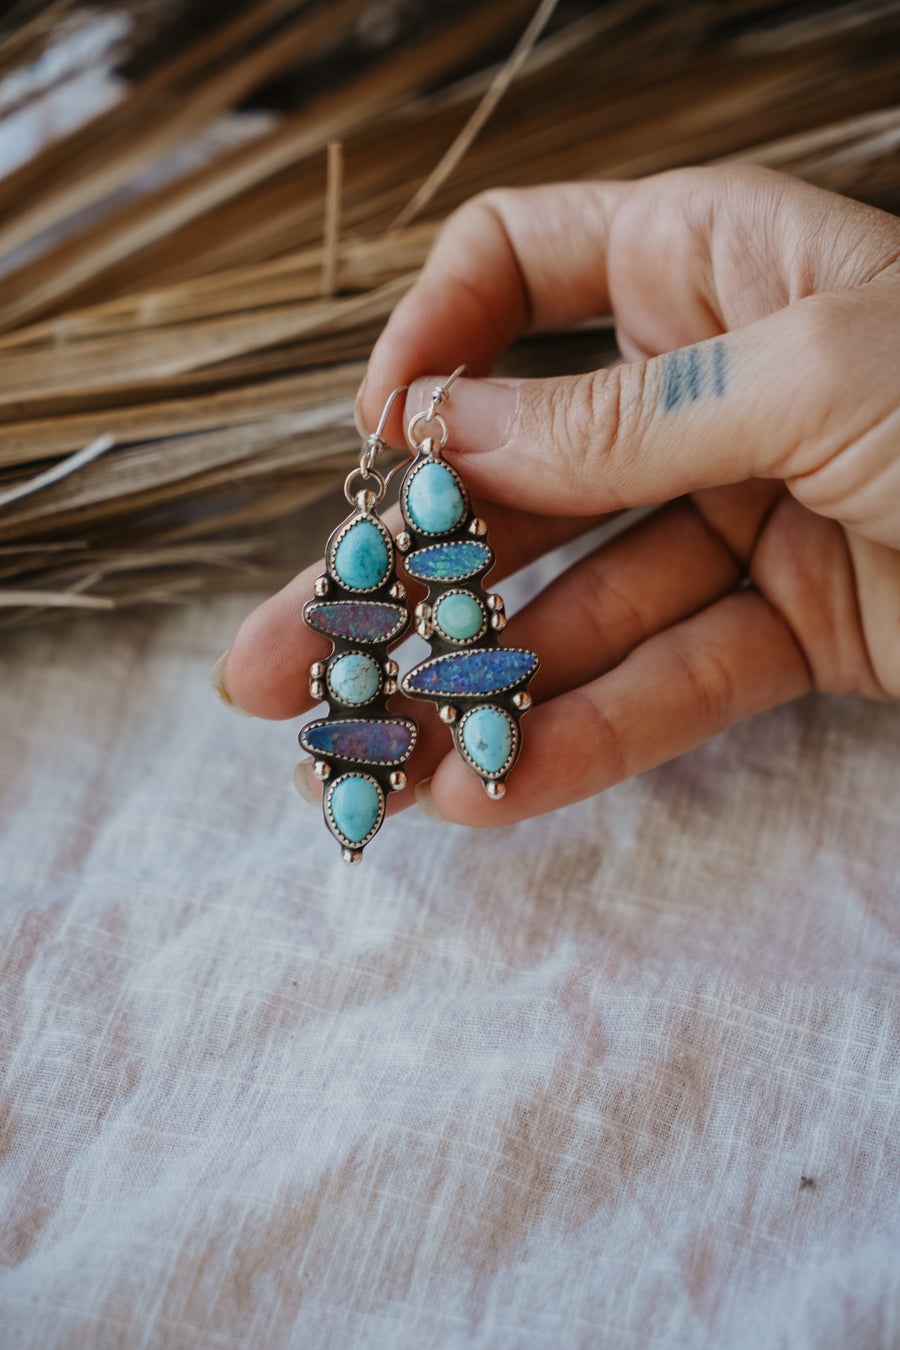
x,y
439,395
372,448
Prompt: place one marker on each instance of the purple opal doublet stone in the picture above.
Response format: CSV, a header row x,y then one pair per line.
x,y
357,620
448,562
365,742
473,672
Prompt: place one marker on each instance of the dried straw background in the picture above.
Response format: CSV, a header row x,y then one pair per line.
x,y
213,318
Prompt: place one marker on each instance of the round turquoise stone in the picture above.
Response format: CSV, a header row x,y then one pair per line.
x,y
361,558
459,616
355,806
354,678
487,734
434,502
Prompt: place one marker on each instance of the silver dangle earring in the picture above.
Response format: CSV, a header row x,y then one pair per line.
x,y
360,747
477,685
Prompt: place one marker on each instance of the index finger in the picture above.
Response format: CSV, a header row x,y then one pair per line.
x,y
496,270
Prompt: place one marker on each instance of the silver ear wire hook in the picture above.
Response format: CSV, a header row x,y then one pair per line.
x,y
442,392
372,448
439,395
385,413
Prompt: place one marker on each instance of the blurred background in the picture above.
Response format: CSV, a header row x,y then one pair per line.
x,y
208,210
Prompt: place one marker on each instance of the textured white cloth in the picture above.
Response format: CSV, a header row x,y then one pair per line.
x,y
556,1086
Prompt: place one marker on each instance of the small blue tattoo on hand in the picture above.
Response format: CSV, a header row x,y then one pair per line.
x,y
692,373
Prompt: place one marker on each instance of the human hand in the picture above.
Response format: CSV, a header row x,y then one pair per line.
x,y
759,321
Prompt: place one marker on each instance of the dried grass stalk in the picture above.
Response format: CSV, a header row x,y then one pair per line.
x,y
215,320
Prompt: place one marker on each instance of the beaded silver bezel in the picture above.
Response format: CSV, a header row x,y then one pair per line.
x,y
340,758
338,538
457,641
404,497
333,825
311,607
459,576
333,693
490,775
449,695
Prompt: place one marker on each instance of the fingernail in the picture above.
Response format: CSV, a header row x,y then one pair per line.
x,y
307,784
425,801
479,413
217,680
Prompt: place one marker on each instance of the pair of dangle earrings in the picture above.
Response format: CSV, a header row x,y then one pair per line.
x,y
478,686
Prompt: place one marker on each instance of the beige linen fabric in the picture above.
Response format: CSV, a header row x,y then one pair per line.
x,y
552,1087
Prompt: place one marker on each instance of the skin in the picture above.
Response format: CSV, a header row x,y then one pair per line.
x,y
758,402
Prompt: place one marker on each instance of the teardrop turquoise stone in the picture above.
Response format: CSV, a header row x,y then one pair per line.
x,y
459,616
434,502
361,558
355,806
487,734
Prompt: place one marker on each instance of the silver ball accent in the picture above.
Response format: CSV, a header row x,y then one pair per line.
x,y
398,591
317,688
495,790
478,527
523,701
397,780
365,500
495,602
321,769
447,713
390,667
422,610
404,541
317,670
352,855
498,621
390,687
322,585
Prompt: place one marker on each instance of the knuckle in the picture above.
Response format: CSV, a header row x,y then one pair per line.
x,y
823,335
709,681
603,741
596,419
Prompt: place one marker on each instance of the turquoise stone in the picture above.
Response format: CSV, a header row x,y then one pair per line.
x,y
433,499
481,671
449,562
355,805
354,678
357,620
488,735
458,616
371,742
361,560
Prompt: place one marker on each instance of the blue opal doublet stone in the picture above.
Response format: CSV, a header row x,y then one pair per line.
x,y
357,620
369,742
488,735
355,804
458,616
449,562
361,560
474,672
354,678
433,499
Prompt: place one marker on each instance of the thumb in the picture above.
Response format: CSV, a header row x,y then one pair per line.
x,y
781,398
